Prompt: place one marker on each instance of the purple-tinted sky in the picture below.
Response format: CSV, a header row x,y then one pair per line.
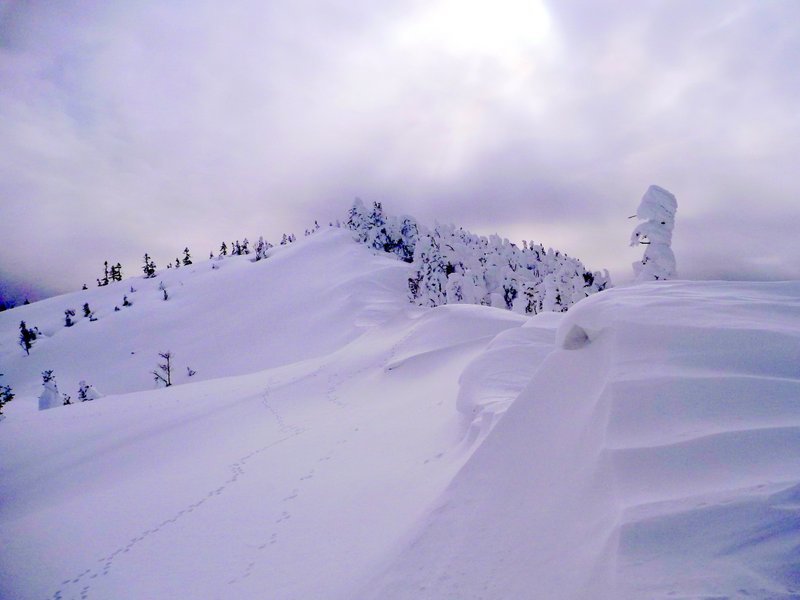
x,y
146,125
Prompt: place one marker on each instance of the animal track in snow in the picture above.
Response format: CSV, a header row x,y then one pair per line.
x,y
107,562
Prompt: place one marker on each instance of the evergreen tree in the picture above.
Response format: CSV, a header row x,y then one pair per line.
x,y
68,314
187,259
87,312
104,280
26,337
116,272
125,301
223,250
6,395
149,267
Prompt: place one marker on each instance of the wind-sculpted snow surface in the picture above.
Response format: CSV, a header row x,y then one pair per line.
x,y
659,458
338,442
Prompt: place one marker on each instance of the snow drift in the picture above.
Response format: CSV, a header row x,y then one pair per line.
x,y
658,458
338,442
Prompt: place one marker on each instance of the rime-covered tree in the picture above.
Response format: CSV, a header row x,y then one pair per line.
x,y
86,392
452,265
657,209
428,286
50,397
262,247
68,314
187,259
358,220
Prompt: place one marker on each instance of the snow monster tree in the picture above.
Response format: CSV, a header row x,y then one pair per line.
x,y
657,209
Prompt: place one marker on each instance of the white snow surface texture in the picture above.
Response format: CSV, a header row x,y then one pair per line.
x,y
338,442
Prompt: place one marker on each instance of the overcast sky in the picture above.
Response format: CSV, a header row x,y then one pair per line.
x,y
145,126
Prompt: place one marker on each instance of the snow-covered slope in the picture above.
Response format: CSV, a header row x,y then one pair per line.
x,y
221,318
338,442
655,454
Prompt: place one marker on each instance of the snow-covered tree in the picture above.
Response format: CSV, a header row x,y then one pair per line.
x,y
261,248
50,397
452,265
358,220
86,392
187,259
68,314
657,209
6,395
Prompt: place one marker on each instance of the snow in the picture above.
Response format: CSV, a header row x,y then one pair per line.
x,y
339,442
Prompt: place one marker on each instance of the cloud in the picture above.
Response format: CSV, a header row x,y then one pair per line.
x,y
133,127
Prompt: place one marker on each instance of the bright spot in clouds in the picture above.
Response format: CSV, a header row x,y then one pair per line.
x,y
503,29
